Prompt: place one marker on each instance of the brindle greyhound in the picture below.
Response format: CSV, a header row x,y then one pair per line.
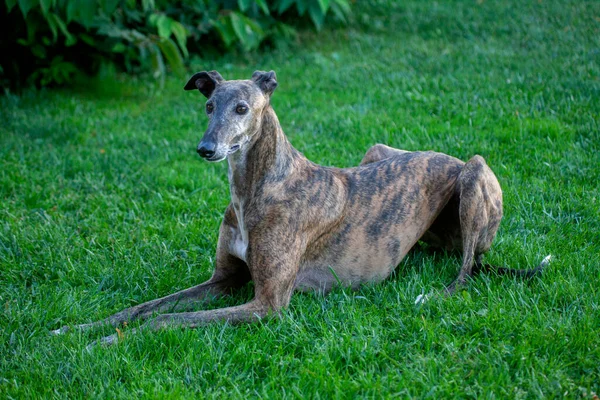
x,y
292,224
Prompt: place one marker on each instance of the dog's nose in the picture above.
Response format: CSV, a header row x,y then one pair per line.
x,y
206,150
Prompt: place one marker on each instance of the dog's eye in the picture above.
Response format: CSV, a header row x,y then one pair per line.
x,y
209,108
241,109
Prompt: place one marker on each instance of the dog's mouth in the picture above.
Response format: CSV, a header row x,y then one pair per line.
x,y
220,157
233,149
215,159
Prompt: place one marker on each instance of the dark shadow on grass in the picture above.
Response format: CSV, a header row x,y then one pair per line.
x,y
447,261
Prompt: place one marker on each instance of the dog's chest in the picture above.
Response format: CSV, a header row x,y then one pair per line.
x,y
238,245
239,237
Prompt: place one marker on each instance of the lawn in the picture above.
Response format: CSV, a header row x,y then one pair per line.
x,y
104,204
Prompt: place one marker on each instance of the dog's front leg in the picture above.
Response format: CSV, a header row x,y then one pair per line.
x,y
267,301
171,302
273,265
249,312
230,274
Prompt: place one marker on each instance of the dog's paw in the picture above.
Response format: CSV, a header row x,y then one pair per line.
x,y
60,331
104,342
108,340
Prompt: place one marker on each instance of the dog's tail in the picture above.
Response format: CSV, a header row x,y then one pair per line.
x,y
522,273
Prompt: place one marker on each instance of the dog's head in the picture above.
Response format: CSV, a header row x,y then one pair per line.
x,y
234,109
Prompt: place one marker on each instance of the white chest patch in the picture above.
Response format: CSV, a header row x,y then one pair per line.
x,y
238,245
239,237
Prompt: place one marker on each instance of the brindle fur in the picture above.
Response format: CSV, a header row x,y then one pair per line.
x,y
294,225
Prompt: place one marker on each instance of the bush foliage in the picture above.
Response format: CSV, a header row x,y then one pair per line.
x,y
50,40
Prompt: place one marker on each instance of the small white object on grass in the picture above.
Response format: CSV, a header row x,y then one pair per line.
x,y
547,260
422,298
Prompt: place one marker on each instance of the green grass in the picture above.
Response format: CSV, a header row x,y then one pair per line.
x,y
104,204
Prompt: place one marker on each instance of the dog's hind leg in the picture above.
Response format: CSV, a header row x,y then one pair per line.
x,y
230,274
480,212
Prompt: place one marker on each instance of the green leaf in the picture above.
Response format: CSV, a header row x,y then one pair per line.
x,y
53,26
163,24
263,6
82,12
26,6
148,5
153,18
32,30
248,31
172,54
71,11
109,6
158,63
10,4
239,27
87,11
225,29
39,51
180,35
340,9
316,15
45,5
324,5
284,5
119,48
87,39
244,4
301,6
343,5
284,31
70,39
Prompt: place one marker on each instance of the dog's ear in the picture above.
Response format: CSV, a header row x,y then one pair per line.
x,y
266,81
205,82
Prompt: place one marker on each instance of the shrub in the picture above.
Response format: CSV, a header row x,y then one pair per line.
x,y
49,40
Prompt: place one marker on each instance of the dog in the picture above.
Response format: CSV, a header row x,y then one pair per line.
x,y
295,225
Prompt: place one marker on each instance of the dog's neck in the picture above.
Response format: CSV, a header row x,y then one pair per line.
x,y
268,155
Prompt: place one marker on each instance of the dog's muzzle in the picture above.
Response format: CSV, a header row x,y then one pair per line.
x,y
206,149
